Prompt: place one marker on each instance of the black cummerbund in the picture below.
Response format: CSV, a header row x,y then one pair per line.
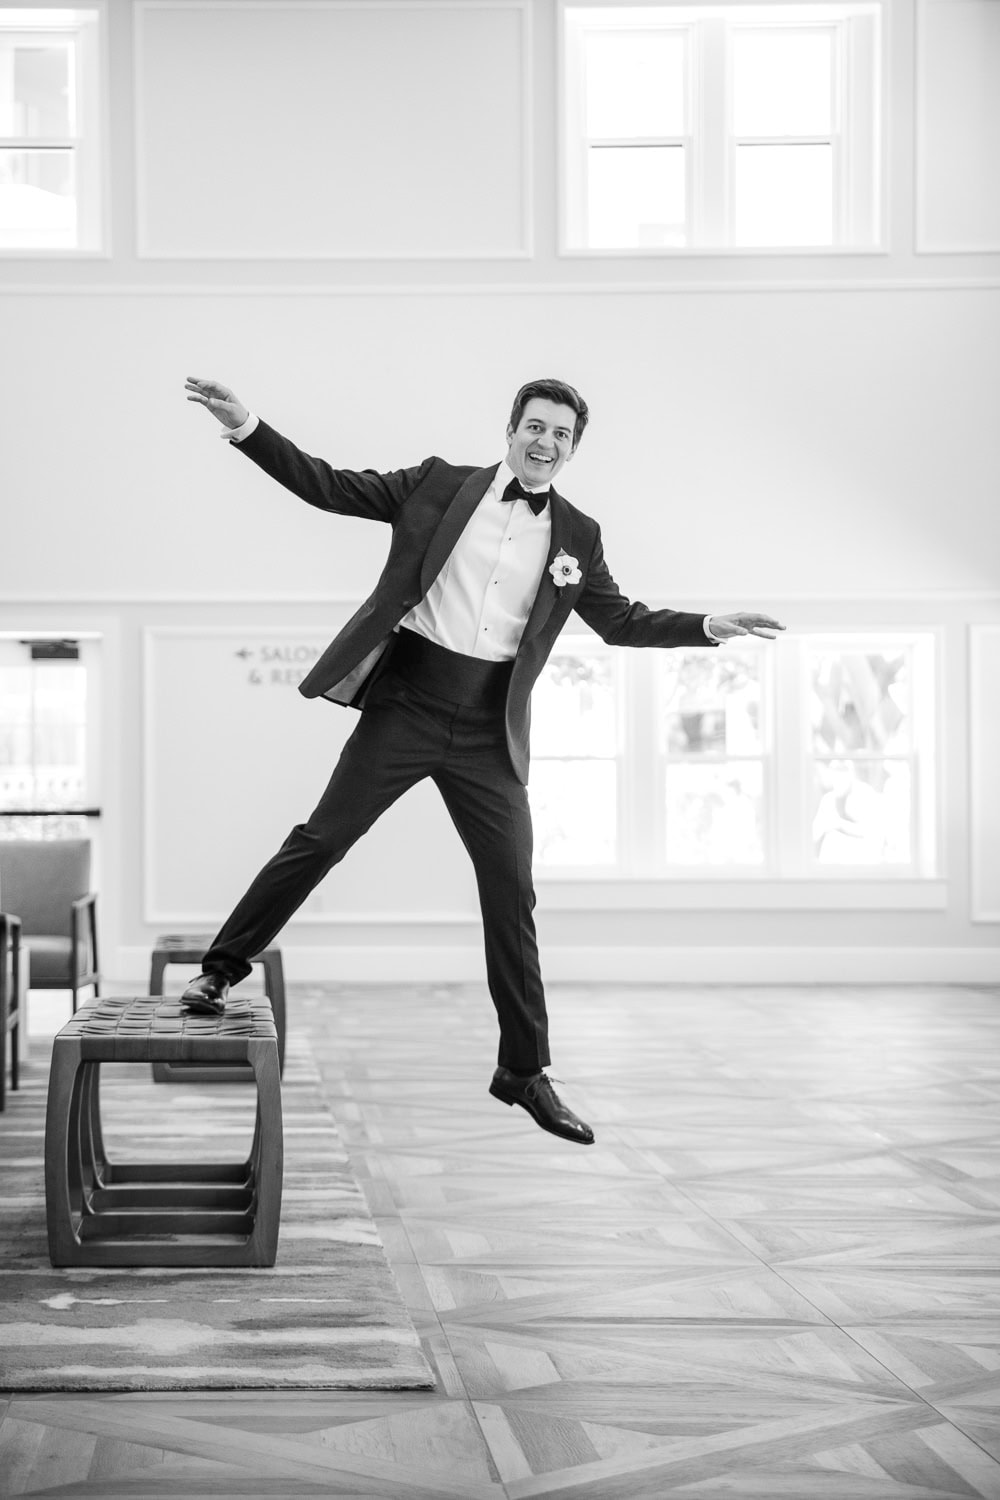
x,y
449,674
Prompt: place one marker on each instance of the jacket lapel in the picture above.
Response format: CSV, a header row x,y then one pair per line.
x,y
547,592
453,523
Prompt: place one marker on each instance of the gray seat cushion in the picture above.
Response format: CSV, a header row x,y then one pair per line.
x,y
50,963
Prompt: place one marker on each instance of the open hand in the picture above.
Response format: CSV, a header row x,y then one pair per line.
x,y
223,403
726,626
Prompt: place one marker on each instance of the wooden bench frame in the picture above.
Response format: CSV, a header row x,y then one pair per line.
x,y
105,1213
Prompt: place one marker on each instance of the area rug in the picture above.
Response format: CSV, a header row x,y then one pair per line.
x,y
327,1316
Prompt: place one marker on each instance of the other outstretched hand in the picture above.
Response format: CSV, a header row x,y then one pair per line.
x,y
223,403
726,626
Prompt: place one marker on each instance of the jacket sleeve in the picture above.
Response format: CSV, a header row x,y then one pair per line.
x,y
618,621
347,492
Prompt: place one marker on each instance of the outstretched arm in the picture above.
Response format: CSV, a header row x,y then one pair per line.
x,y
348,492
622,623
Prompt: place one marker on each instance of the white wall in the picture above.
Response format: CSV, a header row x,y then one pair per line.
x,y
813,434
805,416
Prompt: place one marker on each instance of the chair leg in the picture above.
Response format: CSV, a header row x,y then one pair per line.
x,y
10,991
4,1029
96,970
14,1005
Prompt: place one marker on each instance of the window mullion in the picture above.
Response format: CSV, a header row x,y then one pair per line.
x,y
842,142
709,127
577,147
789,785
89,208
641,797
857,65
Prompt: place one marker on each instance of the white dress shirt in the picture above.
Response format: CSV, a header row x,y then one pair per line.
x,y
479,603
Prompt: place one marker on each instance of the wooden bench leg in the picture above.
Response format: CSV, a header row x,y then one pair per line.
x,y
157,969
91,1136
262,1249
60,1146
274,988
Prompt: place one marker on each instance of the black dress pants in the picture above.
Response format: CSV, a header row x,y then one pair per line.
x,y
406,733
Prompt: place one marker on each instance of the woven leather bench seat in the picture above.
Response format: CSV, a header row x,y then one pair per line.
x,y
106,1213
190,948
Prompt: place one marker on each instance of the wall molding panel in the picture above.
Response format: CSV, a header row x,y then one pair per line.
x,y
328,115
234,795
922,598
610,287
957,127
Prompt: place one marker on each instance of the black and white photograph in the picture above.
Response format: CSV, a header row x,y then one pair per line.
x,y
499,728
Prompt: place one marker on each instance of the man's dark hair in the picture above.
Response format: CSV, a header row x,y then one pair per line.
x,y
552,390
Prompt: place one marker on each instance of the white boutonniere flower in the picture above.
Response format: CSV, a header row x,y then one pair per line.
x,y
565,570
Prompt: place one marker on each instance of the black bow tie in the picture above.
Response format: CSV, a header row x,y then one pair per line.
x,y
516,491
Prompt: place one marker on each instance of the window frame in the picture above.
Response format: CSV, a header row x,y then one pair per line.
x,y
86,27
15,653
859,209
787,757
576,177
840,128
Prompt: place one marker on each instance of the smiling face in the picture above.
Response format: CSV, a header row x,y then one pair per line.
x,y
542,441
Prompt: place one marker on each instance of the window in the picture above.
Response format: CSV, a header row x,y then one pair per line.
x,y
50,190
47,737
811,757
575,750
866,769
721,126
713,762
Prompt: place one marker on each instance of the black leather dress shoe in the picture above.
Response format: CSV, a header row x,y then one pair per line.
x,y
207,994
539,1098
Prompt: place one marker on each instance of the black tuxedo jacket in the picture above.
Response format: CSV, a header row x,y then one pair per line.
x,y
428,507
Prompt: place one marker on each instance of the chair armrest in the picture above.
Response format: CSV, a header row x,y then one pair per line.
x,y
10,959
83,939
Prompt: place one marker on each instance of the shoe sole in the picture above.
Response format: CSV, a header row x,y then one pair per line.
x,y
577,1140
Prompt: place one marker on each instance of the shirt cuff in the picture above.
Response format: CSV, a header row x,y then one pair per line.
x,y
237,434
708,630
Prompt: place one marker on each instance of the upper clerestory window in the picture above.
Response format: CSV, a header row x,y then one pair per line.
x,y
722,127
50,137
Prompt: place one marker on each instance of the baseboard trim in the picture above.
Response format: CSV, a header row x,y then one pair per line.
x,y
464,964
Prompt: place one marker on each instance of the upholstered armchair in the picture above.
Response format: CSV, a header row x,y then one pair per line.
x,y
46,883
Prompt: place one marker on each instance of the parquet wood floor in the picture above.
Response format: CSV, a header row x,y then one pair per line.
x,y
776,1274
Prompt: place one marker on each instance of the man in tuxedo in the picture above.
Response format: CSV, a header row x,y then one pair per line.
x,y
484,568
